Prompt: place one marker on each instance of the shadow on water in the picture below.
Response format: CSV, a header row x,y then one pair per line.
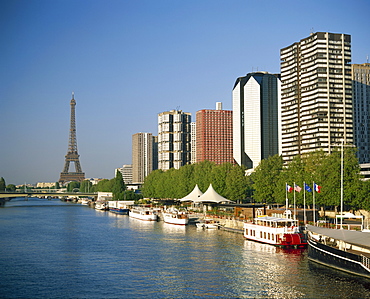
x,y
332,275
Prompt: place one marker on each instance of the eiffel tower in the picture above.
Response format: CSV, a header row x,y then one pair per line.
x,y
72,155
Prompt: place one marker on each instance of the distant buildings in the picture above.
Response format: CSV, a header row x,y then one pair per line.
x,y
361,110
256,118
318,101
142,156
214,135
316,94
45,185
126,171
174,136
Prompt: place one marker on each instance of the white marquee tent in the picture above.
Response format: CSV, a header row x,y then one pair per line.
x,y
193,195
211,196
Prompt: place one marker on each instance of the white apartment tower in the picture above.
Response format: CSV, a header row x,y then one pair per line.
x,y
193,130
142,156
316,94
361,110
256,118
126,172
174,139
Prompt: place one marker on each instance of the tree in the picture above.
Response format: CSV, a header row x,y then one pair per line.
x,y
2,184
85,186
218,177
11,188
266,178
57,186
73,186
202,174
118,186
236,183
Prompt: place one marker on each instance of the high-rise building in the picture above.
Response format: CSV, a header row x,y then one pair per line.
x,y
256,118
174,136
193,129
142,156
214,135
155,152
126,172
316,94
361,110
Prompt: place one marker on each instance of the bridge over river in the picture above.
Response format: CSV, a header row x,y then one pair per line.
x,y
5,196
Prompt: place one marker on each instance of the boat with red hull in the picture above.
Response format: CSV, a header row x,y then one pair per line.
x,y
280,232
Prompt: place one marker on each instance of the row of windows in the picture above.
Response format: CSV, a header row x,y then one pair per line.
x,y
262,235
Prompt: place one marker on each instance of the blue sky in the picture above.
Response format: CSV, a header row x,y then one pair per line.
x,y
127,61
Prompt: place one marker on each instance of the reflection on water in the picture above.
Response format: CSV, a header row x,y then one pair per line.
x,y
72,251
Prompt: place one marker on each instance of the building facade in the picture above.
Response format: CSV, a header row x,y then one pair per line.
x,y
256,118
214,135
126,172
174,139
361,110
316,94
142,156
193,129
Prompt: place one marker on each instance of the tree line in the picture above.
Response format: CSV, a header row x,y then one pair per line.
x,y
268,183
116,185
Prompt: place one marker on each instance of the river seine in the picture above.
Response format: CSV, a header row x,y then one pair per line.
x,y
53,249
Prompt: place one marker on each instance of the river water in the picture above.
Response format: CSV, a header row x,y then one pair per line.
x,y
53,249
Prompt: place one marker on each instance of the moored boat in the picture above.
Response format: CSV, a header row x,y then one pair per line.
x,y
120,207
102,206
84,201
174,216
281,232
143,213
345,250
208,224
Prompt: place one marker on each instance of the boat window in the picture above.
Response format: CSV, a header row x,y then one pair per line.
x,y
260,234
264,235
268,236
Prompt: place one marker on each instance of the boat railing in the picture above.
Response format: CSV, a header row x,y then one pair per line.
x,y
365,262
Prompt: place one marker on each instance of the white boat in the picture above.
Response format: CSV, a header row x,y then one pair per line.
x,y
143,213
85,201
208,224
174,216
281,232
101,205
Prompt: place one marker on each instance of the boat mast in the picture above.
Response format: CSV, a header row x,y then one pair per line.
x,y
341,185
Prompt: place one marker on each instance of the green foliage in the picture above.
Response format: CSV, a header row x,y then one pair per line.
x,y
86,186
2,184
177,183
11,188
236,183
73,187
265,178
267,183
103,186
118,186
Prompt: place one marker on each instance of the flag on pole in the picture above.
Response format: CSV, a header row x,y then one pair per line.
x,y
297,188
317,188
307,188
289,188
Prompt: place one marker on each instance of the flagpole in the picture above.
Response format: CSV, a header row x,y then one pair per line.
x,y
313,203
304,205
286,196
341,186
294,198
